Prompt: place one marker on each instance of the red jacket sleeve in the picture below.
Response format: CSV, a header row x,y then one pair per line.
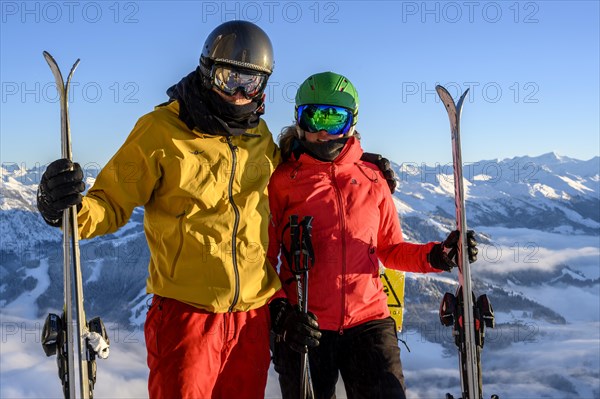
x,y
275,217
393,252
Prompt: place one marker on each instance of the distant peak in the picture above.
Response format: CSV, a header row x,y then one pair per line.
x,y
547,158
554,156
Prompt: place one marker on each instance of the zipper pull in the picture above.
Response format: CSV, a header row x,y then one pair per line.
x,y
231,145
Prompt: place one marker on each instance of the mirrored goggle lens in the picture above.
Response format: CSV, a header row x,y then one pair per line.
x,y
230,80
334,120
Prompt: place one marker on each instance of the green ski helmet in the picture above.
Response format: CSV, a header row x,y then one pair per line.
x,y
328,88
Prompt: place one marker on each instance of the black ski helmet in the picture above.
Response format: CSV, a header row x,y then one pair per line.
x,y
238,43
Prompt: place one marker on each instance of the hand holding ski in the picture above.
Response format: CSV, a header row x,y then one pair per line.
x,y
443,255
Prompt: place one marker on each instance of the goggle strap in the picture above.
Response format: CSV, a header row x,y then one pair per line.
x,y
245,65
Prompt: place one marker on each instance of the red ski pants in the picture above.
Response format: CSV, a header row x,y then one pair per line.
x,y
196,354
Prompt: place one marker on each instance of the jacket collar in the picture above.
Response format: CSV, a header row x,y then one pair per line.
x,y
350,154
257,131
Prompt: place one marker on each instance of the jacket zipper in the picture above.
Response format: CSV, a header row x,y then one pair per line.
x,y
236,223
180,247
371,252
343,232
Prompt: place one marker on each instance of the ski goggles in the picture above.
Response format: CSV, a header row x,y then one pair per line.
x,y
230,80
316,117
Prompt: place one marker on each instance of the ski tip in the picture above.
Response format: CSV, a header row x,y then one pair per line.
x,y
441,89
73,68
459,104
48,57
446,98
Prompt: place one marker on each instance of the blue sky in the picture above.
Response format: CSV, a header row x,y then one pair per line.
x,y
532,67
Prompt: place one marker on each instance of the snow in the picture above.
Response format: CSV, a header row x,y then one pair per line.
x,y
577,185
546,191
25,305
447,278
17,195
573,275
482,178
96,266
402,207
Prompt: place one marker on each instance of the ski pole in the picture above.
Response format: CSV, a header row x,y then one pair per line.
x,y
307,262
302,258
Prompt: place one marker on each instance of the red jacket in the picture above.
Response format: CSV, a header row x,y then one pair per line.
x,y
355,225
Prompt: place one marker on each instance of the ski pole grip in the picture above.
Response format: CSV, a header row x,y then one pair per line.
x,y
307,247
295,245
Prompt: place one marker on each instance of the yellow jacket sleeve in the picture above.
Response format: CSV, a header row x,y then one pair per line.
x,y
127,181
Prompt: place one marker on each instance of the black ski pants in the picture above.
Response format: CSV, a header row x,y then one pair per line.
x,y
367,357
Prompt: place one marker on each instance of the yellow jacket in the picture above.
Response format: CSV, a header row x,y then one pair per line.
x,y
206,209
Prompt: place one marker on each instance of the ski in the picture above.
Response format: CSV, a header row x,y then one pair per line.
x,y
66,336
467,315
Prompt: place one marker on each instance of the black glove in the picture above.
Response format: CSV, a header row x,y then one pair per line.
x,y
442,256
60,188
384,166
299,330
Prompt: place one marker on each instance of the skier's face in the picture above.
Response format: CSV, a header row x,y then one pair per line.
x,y
321,136
237,99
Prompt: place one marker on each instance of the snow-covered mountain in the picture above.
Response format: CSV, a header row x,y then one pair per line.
x,y
538,224
548,193
114,266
